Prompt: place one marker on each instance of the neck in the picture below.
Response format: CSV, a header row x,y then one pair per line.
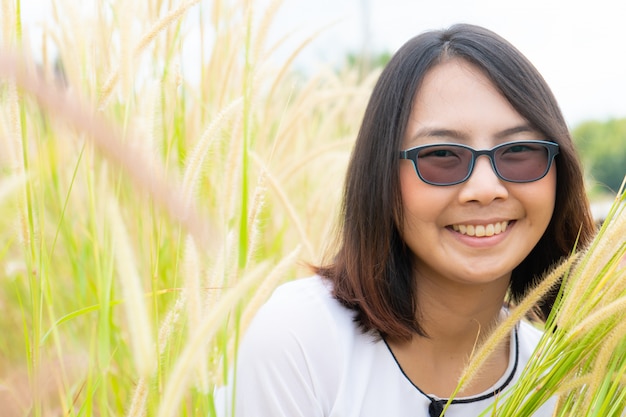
x,y
457,319
453,312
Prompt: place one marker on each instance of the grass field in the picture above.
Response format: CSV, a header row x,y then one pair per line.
x,y
144,215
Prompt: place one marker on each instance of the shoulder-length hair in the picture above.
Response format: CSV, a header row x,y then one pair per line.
x,y
372,270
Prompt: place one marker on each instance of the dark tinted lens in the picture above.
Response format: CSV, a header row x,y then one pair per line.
x,y
443,164
522,161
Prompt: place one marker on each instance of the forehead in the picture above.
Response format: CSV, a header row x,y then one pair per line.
x,y
457,96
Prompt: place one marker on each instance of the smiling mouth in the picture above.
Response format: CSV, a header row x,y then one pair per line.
x,y
481,230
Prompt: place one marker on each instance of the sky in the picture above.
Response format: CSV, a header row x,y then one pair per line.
x,y
578,45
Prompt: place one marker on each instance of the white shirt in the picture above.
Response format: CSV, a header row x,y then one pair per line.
x,y
304,356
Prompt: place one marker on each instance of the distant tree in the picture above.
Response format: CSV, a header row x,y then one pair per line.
x,y
602,145
376,60
366,62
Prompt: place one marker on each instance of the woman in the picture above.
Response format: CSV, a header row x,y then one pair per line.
x,y
463,188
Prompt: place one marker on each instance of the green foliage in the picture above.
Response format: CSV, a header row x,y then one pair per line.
x,y
364,62
377,60
602,146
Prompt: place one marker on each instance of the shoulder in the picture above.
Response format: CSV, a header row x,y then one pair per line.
x,y
302,323
302,301
296,347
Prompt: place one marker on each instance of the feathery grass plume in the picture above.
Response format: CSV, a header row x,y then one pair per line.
x,y
328,149
260,36
79,33
192,270
223,271
201,150
138,403
126,14
262,293
8,27
602,362
144,123
254,218
145,40
585,338
166,330
197,345
285,67
287,205
587,281
15,145
232,176
139,323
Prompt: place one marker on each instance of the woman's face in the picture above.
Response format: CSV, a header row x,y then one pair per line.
x,y
475,232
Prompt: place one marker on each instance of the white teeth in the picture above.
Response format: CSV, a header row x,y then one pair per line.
x,y
481,230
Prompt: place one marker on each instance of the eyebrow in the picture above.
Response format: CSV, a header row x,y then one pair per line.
x,y
525,128
438,133
428,132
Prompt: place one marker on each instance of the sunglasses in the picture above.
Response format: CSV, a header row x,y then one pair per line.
x,y
452,163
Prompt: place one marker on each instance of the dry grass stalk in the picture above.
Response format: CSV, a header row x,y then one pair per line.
x,y
155,29
166,330
202,149
192,270
139,323
264,290
287,205
140,397
197,345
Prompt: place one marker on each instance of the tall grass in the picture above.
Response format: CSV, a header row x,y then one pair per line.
x,y
145,213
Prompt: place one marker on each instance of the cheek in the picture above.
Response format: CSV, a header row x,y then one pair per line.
x,y
407,182
550,190
410,186
541,199
421,202
415,193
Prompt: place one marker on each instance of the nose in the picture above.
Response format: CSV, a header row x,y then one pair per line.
x,y
483,186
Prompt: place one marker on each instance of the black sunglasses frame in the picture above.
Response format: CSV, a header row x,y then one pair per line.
x,y
411,154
